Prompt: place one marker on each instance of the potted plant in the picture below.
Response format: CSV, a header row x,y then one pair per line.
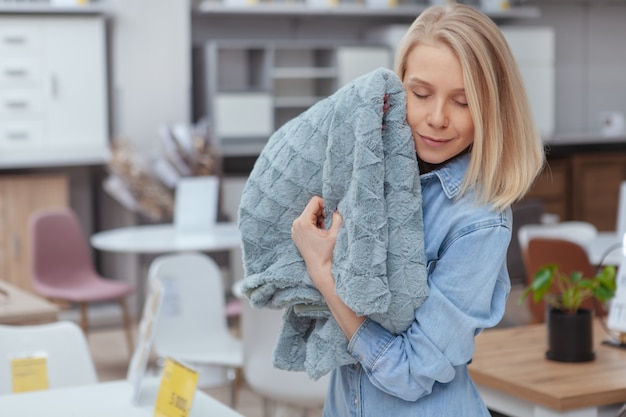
x,y
570,332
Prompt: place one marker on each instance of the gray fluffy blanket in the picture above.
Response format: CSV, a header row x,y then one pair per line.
x,y
337,150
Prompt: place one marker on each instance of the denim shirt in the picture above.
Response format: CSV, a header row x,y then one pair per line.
x,y
423,371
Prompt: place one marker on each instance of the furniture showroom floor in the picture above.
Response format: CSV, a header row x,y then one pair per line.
x,y
110,354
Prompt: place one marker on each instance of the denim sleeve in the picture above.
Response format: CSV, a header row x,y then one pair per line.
x,y
468,285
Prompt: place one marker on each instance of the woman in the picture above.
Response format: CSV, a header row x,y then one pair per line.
x,y
478,151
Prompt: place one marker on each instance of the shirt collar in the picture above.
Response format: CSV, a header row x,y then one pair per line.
x,y
451,174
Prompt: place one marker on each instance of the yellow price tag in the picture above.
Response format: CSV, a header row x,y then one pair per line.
x,y
29,374
178,386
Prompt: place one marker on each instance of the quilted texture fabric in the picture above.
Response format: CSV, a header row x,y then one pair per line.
x,y
337,149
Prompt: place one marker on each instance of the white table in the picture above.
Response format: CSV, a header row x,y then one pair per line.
x,y
162,238
106,399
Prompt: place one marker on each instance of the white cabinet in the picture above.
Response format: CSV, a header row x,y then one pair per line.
x,y
53,94
251,89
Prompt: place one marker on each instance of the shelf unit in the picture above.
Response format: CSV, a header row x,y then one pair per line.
x,y
343,10
266,63
23,8
251,88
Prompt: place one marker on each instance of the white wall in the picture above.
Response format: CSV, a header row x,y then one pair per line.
x,y
151,67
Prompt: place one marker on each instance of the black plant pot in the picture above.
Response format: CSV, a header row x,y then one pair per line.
x,y
570,336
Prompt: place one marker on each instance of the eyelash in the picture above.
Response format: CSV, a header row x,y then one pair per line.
x,y
424,97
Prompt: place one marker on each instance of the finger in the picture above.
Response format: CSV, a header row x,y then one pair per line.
x,y
311,214
386,104
337,220
315,210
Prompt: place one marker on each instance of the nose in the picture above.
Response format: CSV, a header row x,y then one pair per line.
x,y
437,116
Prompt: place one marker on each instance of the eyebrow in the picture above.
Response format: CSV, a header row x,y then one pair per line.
x,y
417,81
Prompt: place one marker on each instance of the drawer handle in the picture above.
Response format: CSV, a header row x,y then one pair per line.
x,y
17,135
14,39
17,104
15,72
54,86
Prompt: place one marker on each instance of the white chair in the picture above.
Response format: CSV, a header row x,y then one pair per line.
x,y
192,326
259,330
578,232
575,231
63,344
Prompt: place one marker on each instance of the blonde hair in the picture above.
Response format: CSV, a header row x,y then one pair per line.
x,y
507,153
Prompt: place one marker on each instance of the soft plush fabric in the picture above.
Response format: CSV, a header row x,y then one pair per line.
x,y
339,150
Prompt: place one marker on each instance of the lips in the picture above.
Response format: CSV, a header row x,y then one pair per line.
x,y
434,141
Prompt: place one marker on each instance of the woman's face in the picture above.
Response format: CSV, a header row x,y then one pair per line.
x,y
436,105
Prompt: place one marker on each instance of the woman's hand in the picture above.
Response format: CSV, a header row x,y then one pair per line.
x,y
314,242
316,245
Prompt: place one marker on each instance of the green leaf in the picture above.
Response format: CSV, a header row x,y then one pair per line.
x,y
606,278
542,283
603,294
573,288
576,276
587,283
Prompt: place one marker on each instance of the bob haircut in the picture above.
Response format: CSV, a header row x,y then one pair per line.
x,y
507,153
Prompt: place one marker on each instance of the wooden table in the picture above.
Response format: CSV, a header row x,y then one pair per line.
x,y
20,307
514,378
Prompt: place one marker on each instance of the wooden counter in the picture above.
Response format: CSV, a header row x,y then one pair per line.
x,y
20,307
511,364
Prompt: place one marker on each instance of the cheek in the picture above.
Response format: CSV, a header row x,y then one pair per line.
x,y
413,116
466,126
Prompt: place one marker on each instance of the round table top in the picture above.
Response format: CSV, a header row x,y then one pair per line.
x,y
160,238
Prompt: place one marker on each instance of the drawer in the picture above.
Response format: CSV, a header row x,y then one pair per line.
x,y
243,115
20,36
19,104
21,134
20,71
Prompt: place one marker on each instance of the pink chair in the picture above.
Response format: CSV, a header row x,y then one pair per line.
x,y
62,268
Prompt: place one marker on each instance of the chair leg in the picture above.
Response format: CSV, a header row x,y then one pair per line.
x,y
127,326
267,407
232,375
83,318
236,383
